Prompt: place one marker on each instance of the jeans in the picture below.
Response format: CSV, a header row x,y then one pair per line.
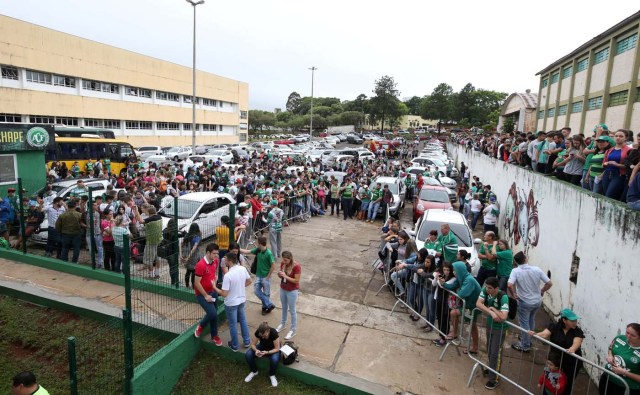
x,y
236,314
612,184
634,205
429,303
484,274
117,263
466,210
174,270
373,210
495,338
502,283
491,228
70,241
396,279
595,188
53,241
527,320
262,289
346,207
583,180
275,242
335,203
289,300
274,359
474,221
364,207
211,313
99,249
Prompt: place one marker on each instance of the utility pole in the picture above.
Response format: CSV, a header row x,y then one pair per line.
x,y
313,69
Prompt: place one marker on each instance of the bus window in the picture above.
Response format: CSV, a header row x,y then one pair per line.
x,y
112,152
125,151
97,150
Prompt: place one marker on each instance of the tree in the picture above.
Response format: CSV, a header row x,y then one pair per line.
x,y
293,102
438,105
350,118
261,119
464,104
385,102
413,105
508,125
322,111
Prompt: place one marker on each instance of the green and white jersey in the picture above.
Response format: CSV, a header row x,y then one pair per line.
x,y
491,301
627,358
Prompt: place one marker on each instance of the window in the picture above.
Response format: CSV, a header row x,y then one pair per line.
x,y
61,80
567,71
11,118
187,126
243,126
576,107
40,78
8,169
187,99
10,73
243,137
67,121
208,102
138,125
626,44
562,110
140,92
95,123
112,124
540,114
551,112
243,115
545,82
221,104
618,98
167,96
555,77
167,126
601,56
41,119
208,128
595,103
100,86
582,65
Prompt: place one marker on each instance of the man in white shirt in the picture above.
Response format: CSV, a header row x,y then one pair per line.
x,y
491,213
233,291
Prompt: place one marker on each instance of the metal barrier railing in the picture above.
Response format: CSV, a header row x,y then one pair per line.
x,y
528,371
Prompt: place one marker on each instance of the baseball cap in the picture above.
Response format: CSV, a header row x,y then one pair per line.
x,y
608,139
569,314
11,190
492,199
243,204
274,202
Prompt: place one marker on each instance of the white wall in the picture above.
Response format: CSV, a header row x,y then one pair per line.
x,y
602,233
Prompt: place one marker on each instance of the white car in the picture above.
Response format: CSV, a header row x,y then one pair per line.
x,y
434,218
149,150
176,153
396,187
333,140
224,154
204,208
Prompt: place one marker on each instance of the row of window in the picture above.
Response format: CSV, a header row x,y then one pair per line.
x,y
594,103
622,45
11,73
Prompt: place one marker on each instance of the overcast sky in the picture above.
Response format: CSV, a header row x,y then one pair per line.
x,y
497,44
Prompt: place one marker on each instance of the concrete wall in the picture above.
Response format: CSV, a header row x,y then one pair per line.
x,y
588,244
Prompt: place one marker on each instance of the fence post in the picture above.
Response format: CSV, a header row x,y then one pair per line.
x,y
127,321
232,222
21,214
73,374
92,238
126,269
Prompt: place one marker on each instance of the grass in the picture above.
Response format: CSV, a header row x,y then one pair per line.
x,y
212,374
35,338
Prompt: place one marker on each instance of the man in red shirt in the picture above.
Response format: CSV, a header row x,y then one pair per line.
x,y
205,272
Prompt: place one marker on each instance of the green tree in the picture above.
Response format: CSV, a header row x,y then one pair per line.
x,y
439,104
385,102
508,126
293,102
464,105
350,118
413,105
322,111
261,119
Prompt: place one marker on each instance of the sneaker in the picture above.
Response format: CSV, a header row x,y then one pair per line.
x,y
440,342
265,311
280,328
518,347
291,334
247,345
270,309
250,377
274,382
491,385
230,344
216,340
198,331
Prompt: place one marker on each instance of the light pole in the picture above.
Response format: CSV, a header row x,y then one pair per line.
x,y
193,98
313,69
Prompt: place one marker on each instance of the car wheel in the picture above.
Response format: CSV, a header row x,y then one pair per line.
x,y
175,158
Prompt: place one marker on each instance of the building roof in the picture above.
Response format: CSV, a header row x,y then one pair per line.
x,y
629,20
530,100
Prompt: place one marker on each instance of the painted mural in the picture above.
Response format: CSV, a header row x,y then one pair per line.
x,y
521,222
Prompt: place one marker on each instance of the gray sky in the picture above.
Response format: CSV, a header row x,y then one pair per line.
x,y
497,45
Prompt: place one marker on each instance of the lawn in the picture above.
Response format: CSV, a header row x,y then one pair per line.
x,y
212,374
35,338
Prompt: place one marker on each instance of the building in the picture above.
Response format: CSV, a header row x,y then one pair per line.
x,y
403,123
598,82
50,77
521,108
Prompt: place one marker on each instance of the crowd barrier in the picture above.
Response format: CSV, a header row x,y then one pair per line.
x,y
525,370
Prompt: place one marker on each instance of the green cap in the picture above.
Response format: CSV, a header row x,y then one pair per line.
x,y
569,314
274,202
608,139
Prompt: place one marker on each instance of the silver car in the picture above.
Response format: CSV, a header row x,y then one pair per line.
x,y
397,188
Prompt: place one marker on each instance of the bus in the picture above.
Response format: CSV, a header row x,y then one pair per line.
x,y
73,131
81,149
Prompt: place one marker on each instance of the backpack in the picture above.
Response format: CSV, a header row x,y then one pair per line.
x,y
513,305
293,357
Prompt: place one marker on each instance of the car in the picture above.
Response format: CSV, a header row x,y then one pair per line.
x,y
241,152
354,139
338,175
403,132
225,155
430,197
342,137
149,150
434,218
97,186
284,142
204,208
368,155
176,153
281,148
397,188
201,150
333,140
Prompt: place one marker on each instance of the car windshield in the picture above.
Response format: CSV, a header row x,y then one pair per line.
x,y
392,186
217,152
147,149
434,195
438,162
174,149
431,181
186,208
459,230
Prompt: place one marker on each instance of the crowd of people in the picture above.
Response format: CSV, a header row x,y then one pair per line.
x,y
601,161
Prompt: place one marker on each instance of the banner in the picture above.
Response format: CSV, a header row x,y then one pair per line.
x,y
26,137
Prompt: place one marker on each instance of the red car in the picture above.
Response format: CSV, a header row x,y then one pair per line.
x,y
430,196
286,142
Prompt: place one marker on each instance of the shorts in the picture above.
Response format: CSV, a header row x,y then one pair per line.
x,y
150,254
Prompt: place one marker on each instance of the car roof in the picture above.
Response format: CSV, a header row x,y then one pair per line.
x,y
386,180
435,187
204,196
450,216
67,183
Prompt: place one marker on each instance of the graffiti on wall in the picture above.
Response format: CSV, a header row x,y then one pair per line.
x,y
521,222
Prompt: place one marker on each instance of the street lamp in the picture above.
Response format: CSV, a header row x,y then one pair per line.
x,y
193,98
313,69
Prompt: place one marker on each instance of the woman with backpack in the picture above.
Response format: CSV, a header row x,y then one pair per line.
x,y
189,253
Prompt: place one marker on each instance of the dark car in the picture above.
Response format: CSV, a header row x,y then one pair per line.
x,y
352,139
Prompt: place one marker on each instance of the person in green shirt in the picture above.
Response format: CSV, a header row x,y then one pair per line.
x,y
594,163
374,205
265,266
449,244
334,195
365,199
504,256
599,130
623,359
89,168
4,237
495,304
488,264
107,165
432,244
75,170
